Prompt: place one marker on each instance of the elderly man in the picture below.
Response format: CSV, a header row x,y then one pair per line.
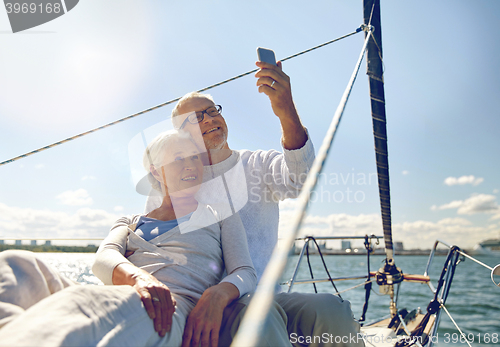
x,y
255,182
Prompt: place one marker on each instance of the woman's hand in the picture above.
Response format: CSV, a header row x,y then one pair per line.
x,y
156,297
204,321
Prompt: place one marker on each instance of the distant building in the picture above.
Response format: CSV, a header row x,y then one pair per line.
x,y
2,242
346,245
48,243
33,242
18,242
398,246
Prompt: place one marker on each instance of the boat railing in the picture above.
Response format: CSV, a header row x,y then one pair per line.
x,y
454,257
305,250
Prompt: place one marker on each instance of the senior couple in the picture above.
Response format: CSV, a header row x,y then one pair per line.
x,y
183,272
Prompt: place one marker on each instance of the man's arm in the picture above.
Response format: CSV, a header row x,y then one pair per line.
x,y
204,321
273,82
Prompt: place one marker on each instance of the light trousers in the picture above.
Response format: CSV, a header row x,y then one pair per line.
x,y
40,307
311,320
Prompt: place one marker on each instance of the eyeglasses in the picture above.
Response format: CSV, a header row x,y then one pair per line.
x,y
197,117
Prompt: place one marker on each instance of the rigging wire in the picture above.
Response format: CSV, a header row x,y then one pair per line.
x,y
456,325
258,308
324,265
171,101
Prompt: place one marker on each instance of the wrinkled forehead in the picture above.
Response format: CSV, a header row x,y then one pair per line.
x,y
172,148
178,146
190,106
196,103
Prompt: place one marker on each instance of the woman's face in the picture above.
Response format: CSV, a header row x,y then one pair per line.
x,y
182,171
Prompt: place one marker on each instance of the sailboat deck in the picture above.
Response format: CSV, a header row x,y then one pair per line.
x,y
379,335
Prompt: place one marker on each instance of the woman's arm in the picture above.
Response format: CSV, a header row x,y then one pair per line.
x,y
111,253
111,267
239,266
204,321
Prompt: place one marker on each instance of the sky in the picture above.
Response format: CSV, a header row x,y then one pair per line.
x,y
103,61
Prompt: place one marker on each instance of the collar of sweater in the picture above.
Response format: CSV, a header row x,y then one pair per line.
x,y
212,171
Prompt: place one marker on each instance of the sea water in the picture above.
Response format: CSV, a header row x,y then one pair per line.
x,y
473,302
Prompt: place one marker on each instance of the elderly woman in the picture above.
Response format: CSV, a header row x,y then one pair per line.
x,y
174,258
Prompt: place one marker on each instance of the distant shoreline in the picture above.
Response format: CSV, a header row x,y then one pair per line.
x,y
422,252
51,248
93,249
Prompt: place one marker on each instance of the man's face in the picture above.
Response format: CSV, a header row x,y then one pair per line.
x,y
213,130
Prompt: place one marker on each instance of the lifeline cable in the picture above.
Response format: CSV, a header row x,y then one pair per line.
x,y
324,266
257,311
170,101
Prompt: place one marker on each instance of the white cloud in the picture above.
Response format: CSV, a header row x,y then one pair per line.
x,y
118,208
458,231
78,197
84,178
39,166
495,191
496,216
453,204
454,221
416,234
452,181
406,172
25,222
334,224
288,204
480,203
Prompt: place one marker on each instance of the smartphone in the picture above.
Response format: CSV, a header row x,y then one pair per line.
x,y
266,55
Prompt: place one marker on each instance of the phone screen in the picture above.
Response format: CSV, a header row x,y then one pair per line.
x,y
266,55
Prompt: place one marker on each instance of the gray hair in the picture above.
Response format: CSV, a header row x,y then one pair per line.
x,y
154,153
185,98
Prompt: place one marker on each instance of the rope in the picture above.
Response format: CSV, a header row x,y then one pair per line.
x,y
168,102
356,286
257,311
368,285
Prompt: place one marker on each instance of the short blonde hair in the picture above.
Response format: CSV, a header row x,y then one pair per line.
x,y
185,98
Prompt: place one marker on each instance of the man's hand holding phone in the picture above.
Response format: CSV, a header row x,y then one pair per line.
x,y
272,81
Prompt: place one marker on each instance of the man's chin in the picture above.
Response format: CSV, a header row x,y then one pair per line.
x,y
216,142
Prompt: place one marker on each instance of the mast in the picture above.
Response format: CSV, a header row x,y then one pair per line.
x,y
377,98
389,274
